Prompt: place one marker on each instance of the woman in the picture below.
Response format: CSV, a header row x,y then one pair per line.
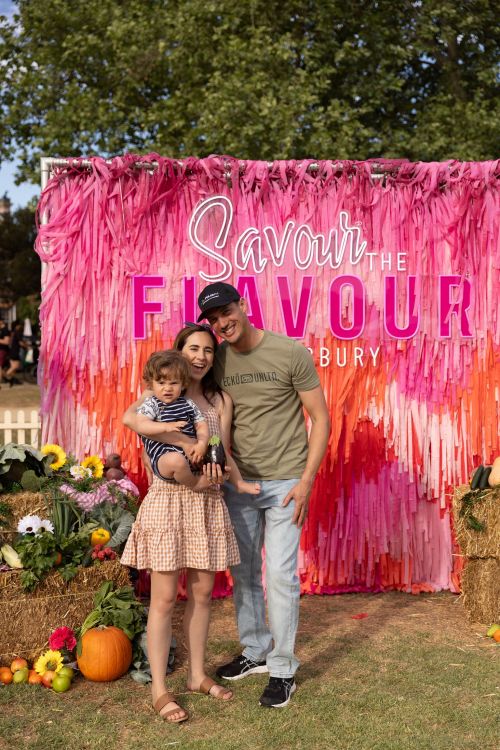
x,y
177,528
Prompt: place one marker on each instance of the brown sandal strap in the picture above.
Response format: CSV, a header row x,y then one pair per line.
x,y
207,685
163,700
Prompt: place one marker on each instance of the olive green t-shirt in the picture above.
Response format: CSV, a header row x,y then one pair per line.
x,y
268,437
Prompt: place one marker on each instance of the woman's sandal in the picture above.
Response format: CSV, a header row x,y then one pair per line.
x,y
207,686
162,701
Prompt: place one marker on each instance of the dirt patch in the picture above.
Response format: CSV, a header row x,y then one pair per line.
x,y
341,620
25,396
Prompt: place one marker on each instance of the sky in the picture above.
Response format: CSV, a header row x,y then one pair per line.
x,y
6,7
20,195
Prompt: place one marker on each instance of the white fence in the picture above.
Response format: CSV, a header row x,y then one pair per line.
x,y
20,427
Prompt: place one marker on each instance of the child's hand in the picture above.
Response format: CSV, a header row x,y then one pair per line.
x,y
197,452
175,426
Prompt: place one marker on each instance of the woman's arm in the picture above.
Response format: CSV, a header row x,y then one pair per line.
x,y
156,430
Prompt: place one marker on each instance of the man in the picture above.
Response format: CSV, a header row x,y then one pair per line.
x,y
270,378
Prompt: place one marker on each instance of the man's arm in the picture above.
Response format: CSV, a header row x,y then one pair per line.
x,y
315,406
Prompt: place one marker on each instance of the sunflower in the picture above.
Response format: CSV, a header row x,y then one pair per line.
x,y
50,660
95,464
58,453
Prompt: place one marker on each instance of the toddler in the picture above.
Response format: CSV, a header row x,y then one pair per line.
x,y
167,375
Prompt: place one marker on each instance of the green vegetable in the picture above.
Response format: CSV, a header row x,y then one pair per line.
x,y
22,463
64,513
115,607
10,556
39,553
114,518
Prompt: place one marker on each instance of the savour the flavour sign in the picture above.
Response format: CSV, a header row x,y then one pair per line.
x,y
388,273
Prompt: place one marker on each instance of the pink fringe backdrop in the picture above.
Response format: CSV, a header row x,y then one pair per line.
x,y
409,421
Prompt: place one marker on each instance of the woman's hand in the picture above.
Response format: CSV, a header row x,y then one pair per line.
x,y
214,473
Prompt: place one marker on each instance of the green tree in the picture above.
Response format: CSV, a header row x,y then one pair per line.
x,y
20,265
262,80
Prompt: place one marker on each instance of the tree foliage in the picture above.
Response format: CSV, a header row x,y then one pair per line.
x,y
257,79
20,265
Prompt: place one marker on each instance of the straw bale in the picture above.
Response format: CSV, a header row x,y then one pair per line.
x,y
27,619
23,504
481,590
478,544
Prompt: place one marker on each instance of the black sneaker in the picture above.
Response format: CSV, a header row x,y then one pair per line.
x,y
278,692
241,667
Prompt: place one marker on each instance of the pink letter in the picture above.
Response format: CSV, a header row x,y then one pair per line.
x,y
247,287
141,306
390,315
358,307
448,308
295,325
191,311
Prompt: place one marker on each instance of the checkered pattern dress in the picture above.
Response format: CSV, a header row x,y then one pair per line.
x,y
177,528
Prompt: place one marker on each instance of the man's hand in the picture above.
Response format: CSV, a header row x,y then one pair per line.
x,y
300,494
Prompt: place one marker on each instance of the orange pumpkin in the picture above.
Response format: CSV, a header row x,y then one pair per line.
x,y
106,654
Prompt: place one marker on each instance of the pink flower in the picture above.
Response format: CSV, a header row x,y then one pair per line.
x,y
62,638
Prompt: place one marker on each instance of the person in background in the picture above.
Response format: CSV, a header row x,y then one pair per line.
x,y
15,345
4,348
271,379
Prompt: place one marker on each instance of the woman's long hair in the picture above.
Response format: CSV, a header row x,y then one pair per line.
x,y
209,387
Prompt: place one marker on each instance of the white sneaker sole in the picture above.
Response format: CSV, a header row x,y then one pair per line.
x,y
282,705
254,670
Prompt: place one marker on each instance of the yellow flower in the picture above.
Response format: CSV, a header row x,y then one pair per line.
x,y
59,454
50,660
95,464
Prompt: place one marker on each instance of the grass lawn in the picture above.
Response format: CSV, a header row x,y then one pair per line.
x,y
413,674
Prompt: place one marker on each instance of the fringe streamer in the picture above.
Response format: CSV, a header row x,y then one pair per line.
x,y
404,430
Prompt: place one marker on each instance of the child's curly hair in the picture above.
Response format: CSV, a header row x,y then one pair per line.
x,y
169,363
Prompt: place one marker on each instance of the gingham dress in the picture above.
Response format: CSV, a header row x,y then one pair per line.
x,y
177,528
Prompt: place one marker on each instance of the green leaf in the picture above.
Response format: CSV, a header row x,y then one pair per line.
x,y
103,591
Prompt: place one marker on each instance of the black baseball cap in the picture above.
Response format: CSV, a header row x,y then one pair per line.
x,y
216,295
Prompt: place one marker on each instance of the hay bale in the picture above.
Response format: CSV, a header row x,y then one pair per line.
x,y
27,619
478,544
25,504
481,590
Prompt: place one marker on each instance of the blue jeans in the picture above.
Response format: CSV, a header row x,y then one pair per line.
x,y
257,520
